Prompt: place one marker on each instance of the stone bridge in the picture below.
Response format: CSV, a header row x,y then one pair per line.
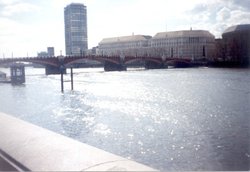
x,y
54,64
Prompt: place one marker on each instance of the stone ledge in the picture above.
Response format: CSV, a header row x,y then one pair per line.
x,y
39,149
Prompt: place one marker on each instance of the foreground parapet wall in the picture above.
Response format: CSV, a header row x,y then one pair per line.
x,y
38,149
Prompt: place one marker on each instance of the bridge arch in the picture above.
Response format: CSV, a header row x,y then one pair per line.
x,y
44,61
178,62
137,59
102,59
69,63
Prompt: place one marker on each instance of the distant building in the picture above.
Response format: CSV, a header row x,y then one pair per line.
x,y
236,41
134,45
92,51
43,54
220,50
51,51
75,20
194,44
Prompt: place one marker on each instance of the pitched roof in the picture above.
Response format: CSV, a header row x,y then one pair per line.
x,y
238,28
125,39
183,33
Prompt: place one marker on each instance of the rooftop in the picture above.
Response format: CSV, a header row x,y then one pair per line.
x,y
183,33
235,28
125,39
74,5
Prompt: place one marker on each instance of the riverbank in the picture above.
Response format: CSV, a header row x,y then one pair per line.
x,y
226,64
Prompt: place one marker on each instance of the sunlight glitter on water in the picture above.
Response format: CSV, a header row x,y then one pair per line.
x,y
173,119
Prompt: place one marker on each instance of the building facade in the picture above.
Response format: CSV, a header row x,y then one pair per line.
x,y
75,20
236,41
42,54
194,44
134,45
51,51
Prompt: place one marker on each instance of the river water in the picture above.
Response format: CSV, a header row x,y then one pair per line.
x,y
172,119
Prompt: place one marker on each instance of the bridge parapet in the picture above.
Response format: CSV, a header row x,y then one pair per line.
x,y
53,61
69,60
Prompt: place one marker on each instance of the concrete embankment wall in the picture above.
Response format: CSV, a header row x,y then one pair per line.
x,y
37,149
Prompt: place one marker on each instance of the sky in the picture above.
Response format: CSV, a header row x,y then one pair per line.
x,y
30,26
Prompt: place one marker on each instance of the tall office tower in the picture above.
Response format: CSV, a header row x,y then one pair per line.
x,y
75,21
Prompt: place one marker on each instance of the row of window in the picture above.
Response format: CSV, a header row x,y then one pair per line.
x,y
77,34
123,45
199,51
183,42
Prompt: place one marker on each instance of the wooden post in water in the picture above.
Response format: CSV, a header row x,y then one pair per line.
x,y
72,82
62,70
62,88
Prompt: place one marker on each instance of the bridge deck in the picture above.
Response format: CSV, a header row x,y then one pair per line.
x,y
67,60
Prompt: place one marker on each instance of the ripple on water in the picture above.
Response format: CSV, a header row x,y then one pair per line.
x,y
178,119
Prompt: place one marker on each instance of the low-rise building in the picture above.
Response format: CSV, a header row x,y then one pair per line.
x,y
43,54
237,44
49,53
134,45
194,44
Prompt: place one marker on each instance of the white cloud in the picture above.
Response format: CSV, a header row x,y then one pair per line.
x,y
140,17
239,17
8,2
223,15
19,8
31,26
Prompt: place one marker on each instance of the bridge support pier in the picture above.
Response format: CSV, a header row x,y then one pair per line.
x,y
178,64
154,65
109,66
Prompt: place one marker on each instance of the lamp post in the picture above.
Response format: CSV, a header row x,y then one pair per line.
x,y
62,68
122,57
163,57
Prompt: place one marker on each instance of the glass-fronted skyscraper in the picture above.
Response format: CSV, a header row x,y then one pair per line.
x,y
75,21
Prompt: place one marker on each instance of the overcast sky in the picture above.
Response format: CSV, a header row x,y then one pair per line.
x,y
30,26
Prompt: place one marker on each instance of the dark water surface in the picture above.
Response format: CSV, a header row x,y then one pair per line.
x,y
172,119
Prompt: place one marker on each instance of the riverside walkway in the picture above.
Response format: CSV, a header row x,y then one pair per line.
x,y
27,147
